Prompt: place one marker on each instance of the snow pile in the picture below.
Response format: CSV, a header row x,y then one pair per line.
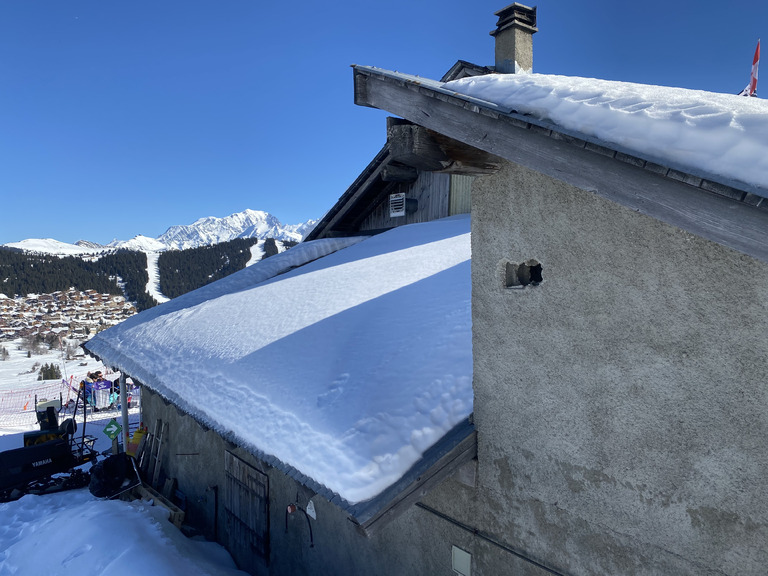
x,y
720,134
353,364
73,533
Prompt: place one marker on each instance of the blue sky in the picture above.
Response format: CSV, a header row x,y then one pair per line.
x,y
120,118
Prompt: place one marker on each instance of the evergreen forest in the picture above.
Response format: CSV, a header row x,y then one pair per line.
x,y
22,273
182,271
124,272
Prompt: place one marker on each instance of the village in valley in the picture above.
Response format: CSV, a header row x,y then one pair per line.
x,y
72,314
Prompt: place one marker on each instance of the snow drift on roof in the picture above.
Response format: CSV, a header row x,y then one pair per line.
x,y
353,365
721,134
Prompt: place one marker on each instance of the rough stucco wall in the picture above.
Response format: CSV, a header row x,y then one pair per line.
x,y
621,405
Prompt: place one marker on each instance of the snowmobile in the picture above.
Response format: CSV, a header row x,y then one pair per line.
x,y
50,458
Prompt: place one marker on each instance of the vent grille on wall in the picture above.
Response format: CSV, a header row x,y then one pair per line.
x,y
397,205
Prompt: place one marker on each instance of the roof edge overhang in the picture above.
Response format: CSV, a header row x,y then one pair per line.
x,y
722,210
457,447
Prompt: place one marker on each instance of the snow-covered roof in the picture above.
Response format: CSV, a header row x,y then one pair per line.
x,y
355,362
722,134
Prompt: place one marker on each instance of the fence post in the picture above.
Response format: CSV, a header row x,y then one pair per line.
x,y
124,408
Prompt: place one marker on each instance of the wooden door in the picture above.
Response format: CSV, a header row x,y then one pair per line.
x,y
246,514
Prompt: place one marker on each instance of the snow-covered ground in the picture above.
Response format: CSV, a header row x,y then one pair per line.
x,y
74,534
706,132
18,371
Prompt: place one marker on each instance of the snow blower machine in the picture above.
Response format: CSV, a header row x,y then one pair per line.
x,y
50,459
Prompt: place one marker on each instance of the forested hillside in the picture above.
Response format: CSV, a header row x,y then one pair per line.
x,y
22,274
182,271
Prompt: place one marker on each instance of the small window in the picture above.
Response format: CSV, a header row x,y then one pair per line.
x,y
522,275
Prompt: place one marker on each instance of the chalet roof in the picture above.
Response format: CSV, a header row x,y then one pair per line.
x,y
704,200
343,217
355,359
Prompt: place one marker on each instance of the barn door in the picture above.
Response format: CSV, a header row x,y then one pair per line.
x,y
246,514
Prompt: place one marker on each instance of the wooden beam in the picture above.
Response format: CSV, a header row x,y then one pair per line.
x,y
427,150
412,145
466,159
394,172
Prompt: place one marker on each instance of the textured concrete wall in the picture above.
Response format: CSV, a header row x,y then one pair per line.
x,y
622,404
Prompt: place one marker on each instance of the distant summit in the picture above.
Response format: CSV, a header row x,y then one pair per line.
x,y
139,243
203,232
89,245
51,246
246,224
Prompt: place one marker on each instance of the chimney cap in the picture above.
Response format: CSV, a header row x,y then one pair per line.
x,y
516,15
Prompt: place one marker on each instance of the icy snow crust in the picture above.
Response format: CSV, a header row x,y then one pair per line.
x,y
720,134
352,365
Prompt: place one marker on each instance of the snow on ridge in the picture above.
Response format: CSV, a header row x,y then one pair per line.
x,y
245,224
53,247
203,232
720,134
140,244
364,356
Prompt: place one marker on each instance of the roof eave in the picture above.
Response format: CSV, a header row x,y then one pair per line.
x,y
708,205
457,447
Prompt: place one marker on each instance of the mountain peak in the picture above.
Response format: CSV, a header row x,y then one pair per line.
x,y
203,232
246,224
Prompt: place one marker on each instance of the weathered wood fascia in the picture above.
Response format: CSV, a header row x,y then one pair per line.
x,y
728,216
359,187
372,201
709,181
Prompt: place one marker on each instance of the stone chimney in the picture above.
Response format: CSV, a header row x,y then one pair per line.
x,y
514,38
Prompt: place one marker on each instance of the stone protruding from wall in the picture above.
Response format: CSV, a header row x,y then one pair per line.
x,y
514,38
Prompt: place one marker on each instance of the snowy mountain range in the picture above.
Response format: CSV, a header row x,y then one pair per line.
x,y
203,232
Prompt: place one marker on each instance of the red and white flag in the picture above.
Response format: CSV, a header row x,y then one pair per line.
x,y
751,89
